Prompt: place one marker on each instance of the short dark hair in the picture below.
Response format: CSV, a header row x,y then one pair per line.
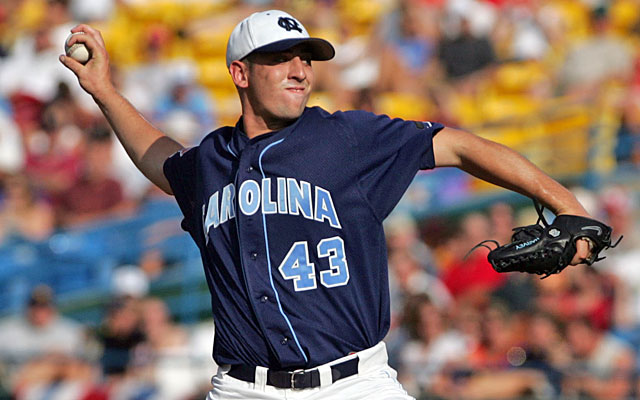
x,y
41,296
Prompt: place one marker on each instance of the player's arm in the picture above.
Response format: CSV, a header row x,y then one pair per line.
x,y
147,146
502,166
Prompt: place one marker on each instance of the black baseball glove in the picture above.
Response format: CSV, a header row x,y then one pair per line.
x,y
547,249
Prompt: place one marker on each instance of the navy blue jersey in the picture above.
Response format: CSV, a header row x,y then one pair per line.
x,y
289,225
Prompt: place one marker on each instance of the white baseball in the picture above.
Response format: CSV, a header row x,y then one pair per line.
x,y
78,51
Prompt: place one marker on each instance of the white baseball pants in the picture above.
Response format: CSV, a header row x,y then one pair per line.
x,y
375,380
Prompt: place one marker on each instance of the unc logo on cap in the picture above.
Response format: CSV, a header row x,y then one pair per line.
x,y
289,24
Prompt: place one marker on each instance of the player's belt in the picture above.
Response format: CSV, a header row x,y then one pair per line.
x,y
299,379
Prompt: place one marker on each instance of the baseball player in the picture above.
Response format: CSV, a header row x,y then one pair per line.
x,y
287,206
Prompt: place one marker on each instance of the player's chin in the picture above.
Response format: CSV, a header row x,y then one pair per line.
x,y
293,110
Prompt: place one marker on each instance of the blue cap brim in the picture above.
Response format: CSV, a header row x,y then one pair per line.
x,y
321,50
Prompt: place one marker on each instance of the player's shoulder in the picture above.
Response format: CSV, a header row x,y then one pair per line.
x,y
211,141
331,124
351,122
223,133
214,139
346,117
366,122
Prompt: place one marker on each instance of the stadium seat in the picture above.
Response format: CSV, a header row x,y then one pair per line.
x,y
404,105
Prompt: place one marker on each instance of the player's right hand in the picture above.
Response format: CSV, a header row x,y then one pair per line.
x,y
95,75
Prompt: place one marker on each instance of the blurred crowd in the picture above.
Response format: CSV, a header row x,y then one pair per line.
x,y
459,330
462,331
136,352
479,65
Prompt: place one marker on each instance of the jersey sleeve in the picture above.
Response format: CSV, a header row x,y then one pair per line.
x,y
391,151
181,172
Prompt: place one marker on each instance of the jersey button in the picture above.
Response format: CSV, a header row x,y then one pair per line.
x,y
249,168
284,340
254,255
264,299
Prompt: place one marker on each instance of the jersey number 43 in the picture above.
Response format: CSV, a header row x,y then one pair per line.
x,y
296,265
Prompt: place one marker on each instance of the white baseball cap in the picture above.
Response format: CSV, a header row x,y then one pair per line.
x,y
272,31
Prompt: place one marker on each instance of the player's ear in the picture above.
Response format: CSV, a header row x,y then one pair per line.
x,y
239,73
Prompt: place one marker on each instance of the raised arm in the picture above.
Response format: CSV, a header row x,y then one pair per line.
x,y
500,165
147,146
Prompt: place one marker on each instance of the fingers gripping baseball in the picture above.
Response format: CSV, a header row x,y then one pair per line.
x,y
94,76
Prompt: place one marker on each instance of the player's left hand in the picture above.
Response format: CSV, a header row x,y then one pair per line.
x,y
547,249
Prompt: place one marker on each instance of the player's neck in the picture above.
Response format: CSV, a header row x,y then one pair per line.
x,y
255,125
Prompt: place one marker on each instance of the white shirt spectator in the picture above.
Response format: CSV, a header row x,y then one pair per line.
x,y
11,149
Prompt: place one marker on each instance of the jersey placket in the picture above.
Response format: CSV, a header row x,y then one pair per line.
x,y
257,268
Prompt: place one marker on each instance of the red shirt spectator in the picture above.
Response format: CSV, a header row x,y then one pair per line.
x,y
472,276
96,194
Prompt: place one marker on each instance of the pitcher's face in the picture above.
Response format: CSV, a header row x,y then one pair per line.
x,y
280,83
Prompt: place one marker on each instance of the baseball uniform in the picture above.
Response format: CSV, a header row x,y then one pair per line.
x,y
289,225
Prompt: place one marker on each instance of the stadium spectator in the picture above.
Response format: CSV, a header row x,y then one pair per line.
x,y
619,208
92,11
160,332
628,144
502,221
11,148
26,112
355,70
95,195
409,54
30,68
519,33
461,52
500,333
597,60
185,111
401,232
57,15
135,280
168,347
135,185
493,368
58,377
546,348
53,150
129,281
23,214
495,356
471,278
407,278
432,346
152,76
602,365
40,331
152,263
118,335
200,349
580,292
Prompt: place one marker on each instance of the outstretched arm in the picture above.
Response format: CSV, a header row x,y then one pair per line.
x,y
503,166
146,146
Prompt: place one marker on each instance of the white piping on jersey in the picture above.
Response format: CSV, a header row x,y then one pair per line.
x,y
231,151
266,241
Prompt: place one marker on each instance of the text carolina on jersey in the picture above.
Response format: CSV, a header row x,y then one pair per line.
x,y
292,197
